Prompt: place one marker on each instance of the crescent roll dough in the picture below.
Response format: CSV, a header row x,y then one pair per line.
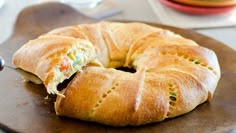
x,y
54,58
172,74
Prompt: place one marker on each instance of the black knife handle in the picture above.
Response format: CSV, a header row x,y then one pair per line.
x,y
2,63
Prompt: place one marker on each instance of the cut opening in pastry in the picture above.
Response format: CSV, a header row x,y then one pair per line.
x,y
69,64
64,84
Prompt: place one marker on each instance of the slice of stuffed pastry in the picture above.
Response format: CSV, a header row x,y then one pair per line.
x,y
54,58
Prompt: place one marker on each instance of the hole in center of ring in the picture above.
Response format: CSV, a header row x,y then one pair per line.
x,y
126,69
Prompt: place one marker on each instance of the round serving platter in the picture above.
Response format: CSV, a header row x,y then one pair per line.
x,y
208,3
199,10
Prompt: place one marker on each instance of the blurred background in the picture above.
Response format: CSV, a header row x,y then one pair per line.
x,y
215,18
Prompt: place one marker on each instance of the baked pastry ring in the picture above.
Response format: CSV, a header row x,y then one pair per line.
x,y
172,74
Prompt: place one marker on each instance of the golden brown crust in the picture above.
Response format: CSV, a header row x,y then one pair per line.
x,y
45,54
173,74
166,87
39,50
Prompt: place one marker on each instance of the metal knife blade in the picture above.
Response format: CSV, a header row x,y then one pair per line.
x,y
26,75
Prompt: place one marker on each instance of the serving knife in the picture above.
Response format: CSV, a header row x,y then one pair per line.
x,y
26,75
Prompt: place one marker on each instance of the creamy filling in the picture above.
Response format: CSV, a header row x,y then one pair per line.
x,y
70,64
